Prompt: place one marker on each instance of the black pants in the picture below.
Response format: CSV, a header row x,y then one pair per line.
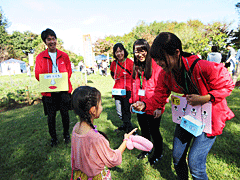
x,y
150,129
123,109
58,101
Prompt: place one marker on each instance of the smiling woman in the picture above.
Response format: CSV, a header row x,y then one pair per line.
x,y
200,81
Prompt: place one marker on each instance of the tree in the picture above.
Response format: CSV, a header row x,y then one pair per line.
x,y
4,37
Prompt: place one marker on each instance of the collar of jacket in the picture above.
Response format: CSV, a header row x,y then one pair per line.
x,y
46,55
188,61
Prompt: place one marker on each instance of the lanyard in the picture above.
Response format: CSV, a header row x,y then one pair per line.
x,y
55,66
141,81
124,75
135,90
185,77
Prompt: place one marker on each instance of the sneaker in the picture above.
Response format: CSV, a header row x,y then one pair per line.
x,y
154,159
54,142
142,155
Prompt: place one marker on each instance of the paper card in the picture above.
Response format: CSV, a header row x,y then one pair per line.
x,y
202,113
53,82
141,92
119,92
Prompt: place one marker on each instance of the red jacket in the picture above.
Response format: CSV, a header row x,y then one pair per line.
x,y
147,85
121,77
210,78
44,65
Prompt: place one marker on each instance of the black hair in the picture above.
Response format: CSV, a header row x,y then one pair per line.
x,y
46,33
166,43
147,64
214,48
83,98
120,46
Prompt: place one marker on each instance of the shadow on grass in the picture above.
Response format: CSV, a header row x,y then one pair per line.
x,y
165,165
110,108
25,146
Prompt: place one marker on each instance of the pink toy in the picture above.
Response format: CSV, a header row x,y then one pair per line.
x,y
139,142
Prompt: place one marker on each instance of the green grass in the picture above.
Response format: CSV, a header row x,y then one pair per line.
x,y
25,152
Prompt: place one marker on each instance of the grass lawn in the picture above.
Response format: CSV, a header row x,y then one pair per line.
x,y
25,151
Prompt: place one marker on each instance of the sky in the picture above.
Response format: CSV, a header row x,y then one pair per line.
x,y
71,19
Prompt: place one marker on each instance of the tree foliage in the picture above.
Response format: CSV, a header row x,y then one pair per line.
x,y
195,36
4,47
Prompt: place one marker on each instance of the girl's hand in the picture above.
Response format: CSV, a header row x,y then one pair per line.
x,y
126,136
237,84
195,99
131,109
157,113
138,106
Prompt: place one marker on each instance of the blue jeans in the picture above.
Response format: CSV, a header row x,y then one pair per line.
x,y
123,109
197,155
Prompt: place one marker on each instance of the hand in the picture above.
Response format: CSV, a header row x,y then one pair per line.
x,y
237,84
131,109
138,106
126,136
195,99
157,113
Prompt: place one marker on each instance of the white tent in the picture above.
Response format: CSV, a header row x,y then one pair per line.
x,y
13,66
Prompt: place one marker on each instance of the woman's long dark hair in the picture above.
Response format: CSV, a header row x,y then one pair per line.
x,y
166,43
83,98
145,66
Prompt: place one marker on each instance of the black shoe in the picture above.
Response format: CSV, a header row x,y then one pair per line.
x,y
54,142
67,139
142,155
154,159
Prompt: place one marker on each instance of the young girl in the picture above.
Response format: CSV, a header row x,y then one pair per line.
x,y
90,148
144,81
208,81
121,71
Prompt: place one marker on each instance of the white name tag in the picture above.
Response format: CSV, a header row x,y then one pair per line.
x,y
119,92
141,92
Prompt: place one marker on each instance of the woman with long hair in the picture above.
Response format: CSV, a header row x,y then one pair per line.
x,y
144,81
207,81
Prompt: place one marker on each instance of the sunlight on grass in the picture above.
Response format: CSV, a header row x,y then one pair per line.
x,y
25,152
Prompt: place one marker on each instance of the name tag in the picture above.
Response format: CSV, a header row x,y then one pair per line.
x,y
141,92
139,112
119,92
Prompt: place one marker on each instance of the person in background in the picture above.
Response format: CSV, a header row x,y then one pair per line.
x,y
214,56
53,60
28,70
231,58
144,81
104,67
90,151
121,71
207,81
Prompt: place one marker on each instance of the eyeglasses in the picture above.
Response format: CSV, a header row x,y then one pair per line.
x,y
140,52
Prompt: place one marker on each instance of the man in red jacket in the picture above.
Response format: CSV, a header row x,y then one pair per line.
x,y
53,60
